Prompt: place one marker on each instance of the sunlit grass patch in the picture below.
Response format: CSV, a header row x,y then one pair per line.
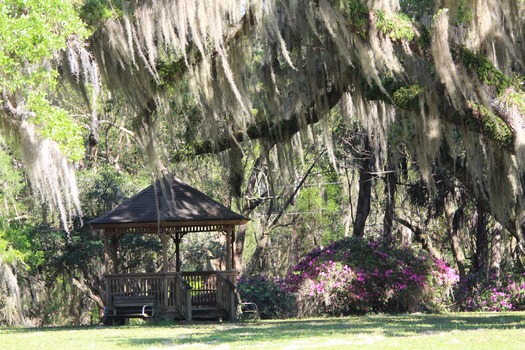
x,y
419,331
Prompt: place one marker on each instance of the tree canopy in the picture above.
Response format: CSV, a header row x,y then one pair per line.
x,y
442,78
232,71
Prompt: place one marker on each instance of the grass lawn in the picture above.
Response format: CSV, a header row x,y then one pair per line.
x,y
447,331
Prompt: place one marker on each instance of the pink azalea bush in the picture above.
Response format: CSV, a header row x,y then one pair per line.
x,y
505,294
355,276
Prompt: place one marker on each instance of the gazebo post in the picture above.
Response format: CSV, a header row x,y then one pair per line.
x,y
164,239
229,265
233,247
106,267
178,237
114,245
106,251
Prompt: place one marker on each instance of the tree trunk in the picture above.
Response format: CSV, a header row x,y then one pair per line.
x,y
455,243
249,205
365,191
256,256
349,220
239,247
420,237
495,252
480,258
294,249
74,303
390,191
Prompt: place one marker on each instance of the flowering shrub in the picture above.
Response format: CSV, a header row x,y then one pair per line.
x,y
358,276
444,278
272,300
443,274
481,295
333,285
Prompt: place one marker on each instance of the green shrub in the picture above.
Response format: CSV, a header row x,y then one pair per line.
x,y
272,300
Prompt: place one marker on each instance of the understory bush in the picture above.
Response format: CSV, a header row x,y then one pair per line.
x,y
355,276
273,301
494,294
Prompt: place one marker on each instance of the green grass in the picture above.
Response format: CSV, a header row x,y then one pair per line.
x,y
447,331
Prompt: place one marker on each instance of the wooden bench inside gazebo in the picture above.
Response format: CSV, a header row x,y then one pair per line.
x,y
170,209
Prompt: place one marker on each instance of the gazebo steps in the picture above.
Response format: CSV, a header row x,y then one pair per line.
x,y
201,313
168,315
198,314
208,313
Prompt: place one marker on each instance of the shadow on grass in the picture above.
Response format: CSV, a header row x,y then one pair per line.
x,y
388,326
287,330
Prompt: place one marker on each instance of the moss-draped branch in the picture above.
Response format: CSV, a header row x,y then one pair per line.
x,y
400,91
403,94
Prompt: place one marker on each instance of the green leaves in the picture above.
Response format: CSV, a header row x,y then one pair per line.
x,y
17,245
10,179
56,124
95,11
406,95
397,26
485,70
32,33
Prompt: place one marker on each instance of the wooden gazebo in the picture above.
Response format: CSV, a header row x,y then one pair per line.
x,y
170,209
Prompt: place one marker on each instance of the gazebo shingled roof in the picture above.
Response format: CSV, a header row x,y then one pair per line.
x,y
168,202
170,208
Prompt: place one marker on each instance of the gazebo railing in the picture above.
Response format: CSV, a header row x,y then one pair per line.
x,y
183,297
203,287
173,290
136,284
226,295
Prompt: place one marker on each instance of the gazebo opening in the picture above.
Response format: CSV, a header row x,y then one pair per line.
x,y
161,216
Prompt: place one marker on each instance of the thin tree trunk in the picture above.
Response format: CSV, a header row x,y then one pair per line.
x,y
365,191
420,237
74,304
92,145
294,249
452,230
390,191
349,220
